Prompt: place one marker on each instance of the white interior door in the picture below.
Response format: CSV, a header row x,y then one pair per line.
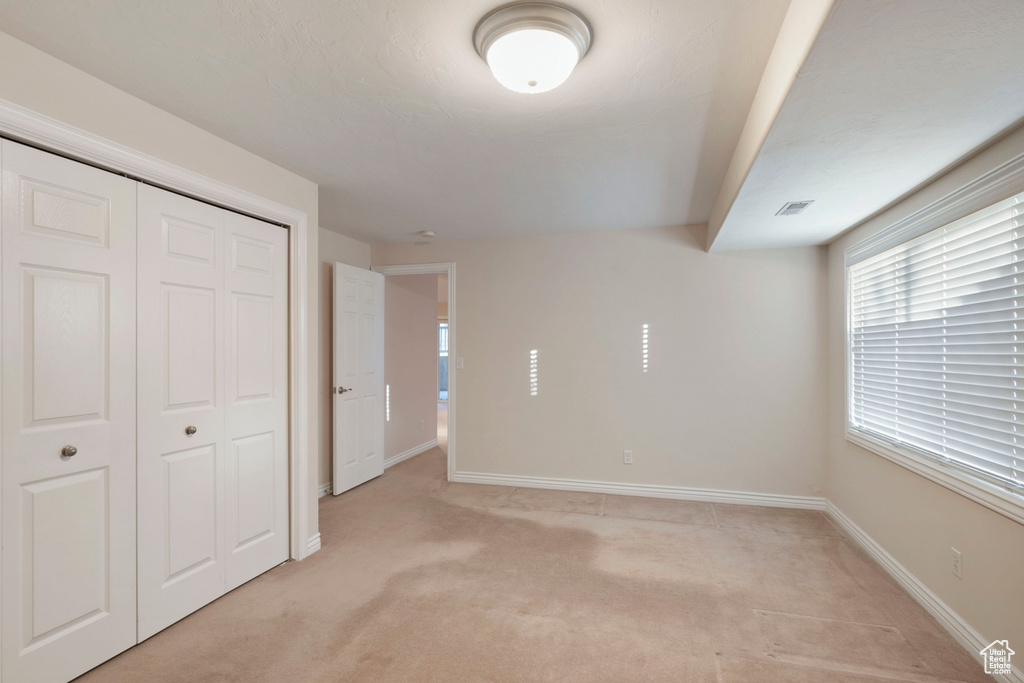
x,y
256,277
358,389
213,401
181,464
68,415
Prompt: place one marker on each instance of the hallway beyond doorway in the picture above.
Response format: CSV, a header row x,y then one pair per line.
x,y
442,426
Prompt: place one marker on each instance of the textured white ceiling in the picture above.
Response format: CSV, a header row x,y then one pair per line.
x,y
386,105
892,93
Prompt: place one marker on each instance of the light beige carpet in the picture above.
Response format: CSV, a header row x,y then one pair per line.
x,y
421,580
442,426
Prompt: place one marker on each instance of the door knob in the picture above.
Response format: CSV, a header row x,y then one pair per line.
x,y
190,430
68,451
342,390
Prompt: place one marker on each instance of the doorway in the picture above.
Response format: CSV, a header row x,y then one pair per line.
x,y
443,367
445,409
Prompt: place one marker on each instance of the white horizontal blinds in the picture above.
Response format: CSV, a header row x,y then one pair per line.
x,y
937,342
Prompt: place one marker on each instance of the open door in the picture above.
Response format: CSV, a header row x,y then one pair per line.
x,y
358,386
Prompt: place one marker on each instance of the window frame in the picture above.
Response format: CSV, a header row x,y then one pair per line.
x,y
995,186
442,353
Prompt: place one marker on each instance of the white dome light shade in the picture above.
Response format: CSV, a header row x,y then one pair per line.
x,y
532,60
532,47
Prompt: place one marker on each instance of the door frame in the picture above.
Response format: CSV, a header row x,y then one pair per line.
x,y
449,270
26,126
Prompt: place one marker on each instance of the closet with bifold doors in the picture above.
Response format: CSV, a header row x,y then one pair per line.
x,y
145,409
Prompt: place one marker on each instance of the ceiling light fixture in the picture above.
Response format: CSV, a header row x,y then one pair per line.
x,y
532,47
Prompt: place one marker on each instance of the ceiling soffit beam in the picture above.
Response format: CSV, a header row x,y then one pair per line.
x,y
799,31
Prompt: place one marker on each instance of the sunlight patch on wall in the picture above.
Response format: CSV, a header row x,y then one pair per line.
x,y
644,346
533,372
387,402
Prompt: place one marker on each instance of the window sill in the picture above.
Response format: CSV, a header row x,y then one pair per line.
x,y
997,498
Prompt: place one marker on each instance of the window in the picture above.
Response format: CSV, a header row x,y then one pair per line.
x,y
442,361
936,339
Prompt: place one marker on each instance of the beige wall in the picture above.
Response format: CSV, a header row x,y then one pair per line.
x,y
410,361
49,86
334,248
36,81
915,520
734,400
442,297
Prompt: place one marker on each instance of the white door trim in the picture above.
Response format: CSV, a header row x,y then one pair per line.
x,y
431,269
26,126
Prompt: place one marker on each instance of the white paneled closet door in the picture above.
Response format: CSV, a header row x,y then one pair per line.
x,y
181,407
213,401
68,255
256,284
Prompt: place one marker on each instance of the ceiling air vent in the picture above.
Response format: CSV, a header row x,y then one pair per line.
x,y
793,208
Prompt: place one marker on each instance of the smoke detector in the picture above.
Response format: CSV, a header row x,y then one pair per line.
x,y
793,208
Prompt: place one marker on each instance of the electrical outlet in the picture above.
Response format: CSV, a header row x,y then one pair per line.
x,y
627,457
423,425
957,566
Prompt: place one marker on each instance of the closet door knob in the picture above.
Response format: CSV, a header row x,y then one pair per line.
x,y
190,430
68,451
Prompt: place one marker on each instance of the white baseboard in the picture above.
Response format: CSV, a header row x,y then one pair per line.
x,y
405,455
313,544
422,448
646,490
964,633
